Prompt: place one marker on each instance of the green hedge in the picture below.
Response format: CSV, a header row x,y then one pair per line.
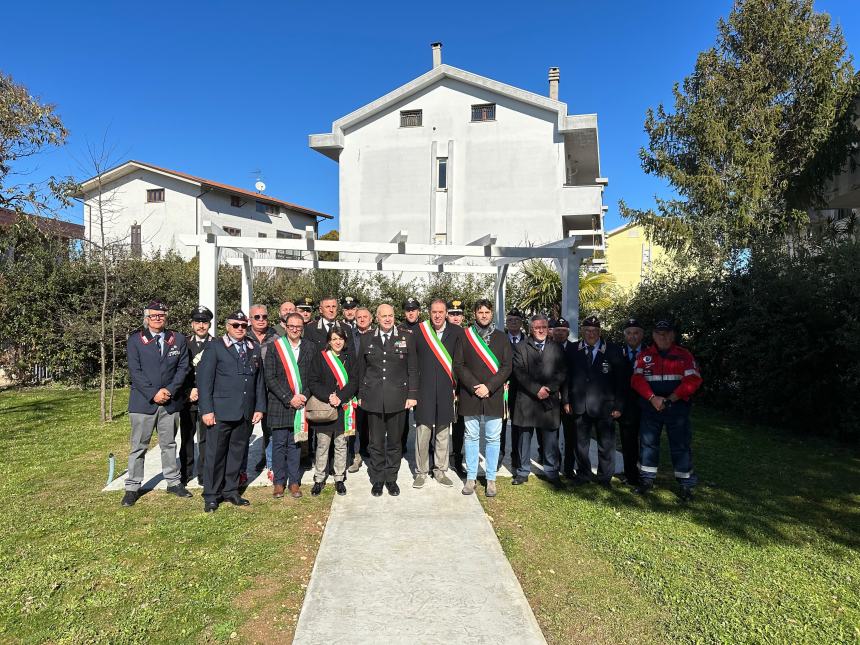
x,y
778,338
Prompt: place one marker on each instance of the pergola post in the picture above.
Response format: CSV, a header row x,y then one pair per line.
x,y
570,290
501,274
209,256
247,284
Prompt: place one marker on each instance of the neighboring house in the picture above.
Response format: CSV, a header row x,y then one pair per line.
x,y
66,232
147,208
630,256
452,156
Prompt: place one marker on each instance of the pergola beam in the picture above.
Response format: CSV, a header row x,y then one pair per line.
x,y
399,239
486,242
341,265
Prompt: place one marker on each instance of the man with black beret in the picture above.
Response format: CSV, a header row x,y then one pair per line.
x,y
596,393
232,399
189,425
628,422
157,365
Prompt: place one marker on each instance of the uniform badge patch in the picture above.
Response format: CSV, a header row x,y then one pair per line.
x,y
605,367
647,359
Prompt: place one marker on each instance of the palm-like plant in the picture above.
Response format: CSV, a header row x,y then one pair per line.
x,y
540,286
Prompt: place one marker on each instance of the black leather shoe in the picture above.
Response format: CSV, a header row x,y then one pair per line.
x,y
130,498
519,481
644,488
376,491
179,490
317,488
210,507
237,501
340,488
685,494
393,488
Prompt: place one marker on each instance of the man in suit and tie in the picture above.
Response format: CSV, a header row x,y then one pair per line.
x,y
328,320
189,421
631,416
439,348
514,332
232,399
157,365
538,364
388,389
596,399
560,330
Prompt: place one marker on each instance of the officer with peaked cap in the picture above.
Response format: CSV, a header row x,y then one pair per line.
x,y
349,304
559,330
305,306
514,332
628,422
232,400
189,426
157,365
411,320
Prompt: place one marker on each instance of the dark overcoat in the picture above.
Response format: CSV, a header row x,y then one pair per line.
x,y
534,369
281,414
631,414
195,355
435,389
150,370
323,383
387,376
475,372
228,385
317,333
597,387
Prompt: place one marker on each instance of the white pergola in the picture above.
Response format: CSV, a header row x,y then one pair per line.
x,y
480,256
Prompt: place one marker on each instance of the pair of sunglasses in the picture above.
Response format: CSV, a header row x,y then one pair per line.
x,y
260,316
239,325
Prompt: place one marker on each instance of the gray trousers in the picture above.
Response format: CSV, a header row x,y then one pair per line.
x,y
142,427
440,436
321,459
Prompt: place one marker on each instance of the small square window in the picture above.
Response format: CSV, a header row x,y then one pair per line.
x,y
410,118
154,195
235,201
484,112
286,254
262,235
267,209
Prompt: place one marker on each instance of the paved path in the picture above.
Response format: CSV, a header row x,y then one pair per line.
x,y
424,567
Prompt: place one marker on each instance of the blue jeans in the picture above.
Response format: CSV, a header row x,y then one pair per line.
x,y
286,454
677,422
493,433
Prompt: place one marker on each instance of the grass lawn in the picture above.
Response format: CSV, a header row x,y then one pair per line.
x,y
75,567
767,553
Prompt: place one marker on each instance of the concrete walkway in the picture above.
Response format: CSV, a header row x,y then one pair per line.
x,y
424,567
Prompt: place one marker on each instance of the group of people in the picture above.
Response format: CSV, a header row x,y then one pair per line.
x,y
341,392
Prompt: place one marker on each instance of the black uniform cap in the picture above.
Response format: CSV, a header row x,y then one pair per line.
x,y
591,321
156,305
202,314
515,312
560,322
306,303
348,302
455,306
664,324
632,322
411,303
238,315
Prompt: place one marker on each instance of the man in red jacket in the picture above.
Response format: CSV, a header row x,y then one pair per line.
x,y
666,376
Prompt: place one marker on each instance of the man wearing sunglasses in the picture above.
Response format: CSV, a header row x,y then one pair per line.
x,y
157,365
263,334
232,399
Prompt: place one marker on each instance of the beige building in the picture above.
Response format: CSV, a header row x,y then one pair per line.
x,y
630,256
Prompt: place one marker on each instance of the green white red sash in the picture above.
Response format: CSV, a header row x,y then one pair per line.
x,y
438,348
294,379
336,366
482,349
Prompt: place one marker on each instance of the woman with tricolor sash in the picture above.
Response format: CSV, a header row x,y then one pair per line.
x,y
333,380
483,393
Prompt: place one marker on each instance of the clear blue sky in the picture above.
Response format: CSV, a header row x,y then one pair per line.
x,y
220,89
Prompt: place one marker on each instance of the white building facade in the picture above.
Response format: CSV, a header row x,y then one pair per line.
x,y
148,208
452,156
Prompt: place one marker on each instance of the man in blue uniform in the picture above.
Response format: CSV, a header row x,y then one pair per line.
x,y
232,400
189,425
157,364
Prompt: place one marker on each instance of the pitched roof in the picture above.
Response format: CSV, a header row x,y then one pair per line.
x,y
129,166
47,225
331,143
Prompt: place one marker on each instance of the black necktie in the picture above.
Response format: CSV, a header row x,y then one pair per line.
x,y
240,347
385,340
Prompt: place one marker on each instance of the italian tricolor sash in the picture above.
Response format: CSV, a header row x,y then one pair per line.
x,y
486,354
438,348
336,366
291,369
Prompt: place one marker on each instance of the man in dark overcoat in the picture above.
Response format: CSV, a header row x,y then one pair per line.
x,y
189,420
439,349
540,371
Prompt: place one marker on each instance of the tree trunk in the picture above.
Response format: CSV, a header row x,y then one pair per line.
x,y
112,366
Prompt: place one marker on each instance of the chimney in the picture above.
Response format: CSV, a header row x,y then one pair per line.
x,y
553,83
437,53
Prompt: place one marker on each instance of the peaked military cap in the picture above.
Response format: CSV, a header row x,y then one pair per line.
x,y
348,302
411,303
515,312
632,322
561,322
305,303
156,305
455,306
202,314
